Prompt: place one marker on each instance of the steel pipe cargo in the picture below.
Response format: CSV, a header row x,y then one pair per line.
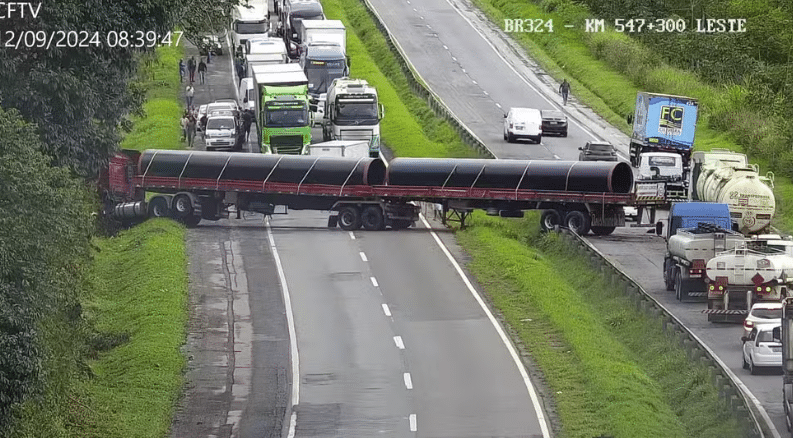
x,y
295,169
130,210
575,176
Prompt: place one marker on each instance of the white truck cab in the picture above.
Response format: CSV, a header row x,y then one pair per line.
x,y
661,166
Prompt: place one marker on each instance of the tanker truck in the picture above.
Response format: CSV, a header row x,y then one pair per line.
x,y
742,276
727,177
663,123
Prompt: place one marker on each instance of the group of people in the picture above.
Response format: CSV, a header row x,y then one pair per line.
x,y
191,67
189,124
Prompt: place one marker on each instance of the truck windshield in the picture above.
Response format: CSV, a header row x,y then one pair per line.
x,y
661,161
286,117
247,27
320,76
355,111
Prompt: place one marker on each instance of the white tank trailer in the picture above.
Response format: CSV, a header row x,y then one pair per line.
x,y
726,177
688,252
741,277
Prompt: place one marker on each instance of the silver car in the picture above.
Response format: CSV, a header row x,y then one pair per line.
x,y
760,349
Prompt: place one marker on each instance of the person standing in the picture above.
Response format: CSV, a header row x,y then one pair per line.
x,y
202,69
191,65
183,121
191,128
189,92
240,70
564,89
247,121
182,69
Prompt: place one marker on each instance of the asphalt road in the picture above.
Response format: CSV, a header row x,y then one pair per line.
x,y
479,72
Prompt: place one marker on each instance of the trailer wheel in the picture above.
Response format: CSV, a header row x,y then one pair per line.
x,y
550,219
679,291
603,231
577,221
401,224
349,218
158,207
668,278
182,206
372,218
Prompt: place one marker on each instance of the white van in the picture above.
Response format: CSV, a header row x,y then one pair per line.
x,y
247,92
523,123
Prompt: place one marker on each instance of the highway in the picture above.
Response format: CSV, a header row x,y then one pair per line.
x,y
479,73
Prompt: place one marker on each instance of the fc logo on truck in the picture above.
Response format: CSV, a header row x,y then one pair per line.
x,y
671,120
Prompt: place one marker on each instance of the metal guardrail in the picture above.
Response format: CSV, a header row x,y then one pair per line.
x,y
417,85
736,397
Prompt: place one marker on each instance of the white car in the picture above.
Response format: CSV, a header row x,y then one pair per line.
x,y
762,313
760,349
523,123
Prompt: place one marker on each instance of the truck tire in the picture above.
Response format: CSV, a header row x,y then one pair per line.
x,y
669,280
680,290
349,218
182,206
578,221
549,220
603,231
372,218
158,207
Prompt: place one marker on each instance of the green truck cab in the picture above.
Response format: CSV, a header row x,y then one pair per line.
x,y
282,109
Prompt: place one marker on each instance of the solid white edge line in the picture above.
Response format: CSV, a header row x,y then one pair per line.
x,y
386,310
408,381
583,128
412,420
399,343
532,393
363,256
290,322
374,281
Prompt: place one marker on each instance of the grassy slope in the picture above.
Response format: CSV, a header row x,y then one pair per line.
x,y
140,303
562,342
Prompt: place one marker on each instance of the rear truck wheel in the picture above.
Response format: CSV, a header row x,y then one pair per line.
x,y
550,219
577,221
603,231
680,291
372,218
182,206
158,207
191,221
401,224
349,218
668,279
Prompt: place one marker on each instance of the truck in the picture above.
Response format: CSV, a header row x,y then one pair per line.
x,y
192,186
340,148
322,62
665,166
751,272
320,31
724,176
282,108
353,112
696,232
663,123
785,335
249,20
265,51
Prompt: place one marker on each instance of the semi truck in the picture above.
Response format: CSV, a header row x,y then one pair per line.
x,y
749,273
282,108
323,62
725,176
191,186
249,20
785,335
353,112
663,123
665,166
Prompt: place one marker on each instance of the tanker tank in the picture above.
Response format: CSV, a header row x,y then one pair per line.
x,y
229,166
700,244
751,200
573,176
741,267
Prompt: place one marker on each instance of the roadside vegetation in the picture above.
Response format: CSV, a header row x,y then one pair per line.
x,y
610,370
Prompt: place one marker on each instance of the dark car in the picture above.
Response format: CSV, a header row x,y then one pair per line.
x,y
554,122
597,151
210,43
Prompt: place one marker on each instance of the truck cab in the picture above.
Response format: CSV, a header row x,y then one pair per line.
x,y
322,62
352,112
249,21
282,108
293,14
667,167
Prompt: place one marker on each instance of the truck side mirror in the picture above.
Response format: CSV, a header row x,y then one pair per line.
x,y
581,148
382,111
505,116
349,64
313,107
659,228
776,333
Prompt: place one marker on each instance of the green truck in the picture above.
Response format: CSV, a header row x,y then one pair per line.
x,y
282,108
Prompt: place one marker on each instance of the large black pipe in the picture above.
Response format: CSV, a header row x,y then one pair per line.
x,y
576,176
258,167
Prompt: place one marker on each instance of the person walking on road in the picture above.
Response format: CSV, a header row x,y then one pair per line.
x,y
189,92
182,70
247,121
191,128
202,69
191,65
564,90
183,122
240,70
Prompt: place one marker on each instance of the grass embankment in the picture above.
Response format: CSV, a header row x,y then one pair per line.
x,y
611,371
409,128
606,70
139,305
139,300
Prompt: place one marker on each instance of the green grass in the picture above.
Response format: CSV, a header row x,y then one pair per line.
x,y
612,370
139,309
159,127
409,129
